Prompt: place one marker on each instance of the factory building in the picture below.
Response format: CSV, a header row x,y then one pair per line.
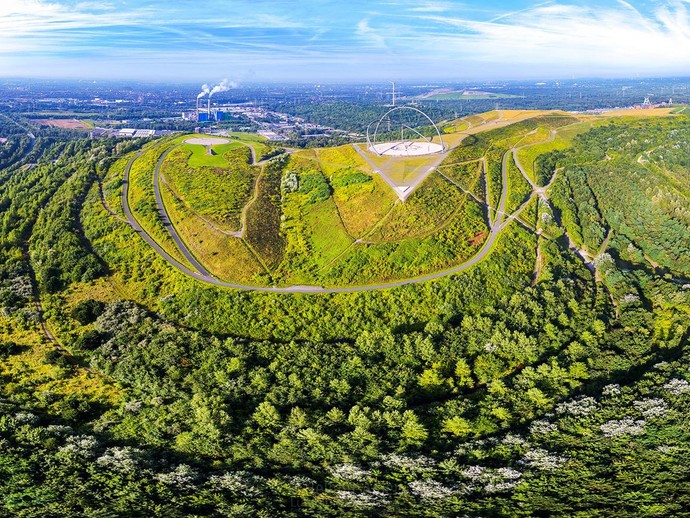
x,y
204,114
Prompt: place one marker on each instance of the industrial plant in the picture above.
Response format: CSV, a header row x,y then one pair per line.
x,y
204,113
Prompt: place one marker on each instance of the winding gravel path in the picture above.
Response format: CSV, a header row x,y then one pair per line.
x,y
203,275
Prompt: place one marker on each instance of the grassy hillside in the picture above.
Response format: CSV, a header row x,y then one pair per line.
x,y
216,187
551,378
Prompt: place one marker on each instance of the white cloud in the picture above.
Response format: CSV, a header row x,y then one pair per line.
x,y
34,25
52,27
563,35
434,7
400,38
370,36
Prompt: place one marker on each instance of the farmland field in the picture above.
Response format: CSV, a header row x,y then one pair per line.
x,y
63,123
466,95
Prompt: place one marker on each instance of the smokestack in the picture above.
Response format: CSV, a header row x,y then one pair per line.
x,y
209,108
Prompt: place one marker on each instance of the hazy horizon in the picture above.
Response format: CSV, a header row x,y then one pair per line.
x,y
328,41
410,83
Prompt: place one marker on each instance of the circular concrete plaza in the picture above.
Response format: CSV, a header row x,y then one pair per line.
x,y
406,148
206,141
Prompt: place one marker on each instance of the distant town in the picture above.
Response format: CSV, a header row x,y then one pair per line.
x,y
305,115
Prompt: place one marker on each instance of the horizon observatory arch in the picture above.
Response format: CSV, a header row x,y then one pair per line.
x,y
411,141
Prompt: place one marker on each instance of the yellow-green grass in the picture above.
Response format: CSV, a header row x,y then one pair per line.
x,y
225,256
530,214
332,160
58,306
451,140
568,133
257,142
247,137
341,156
99,289
199,157
542,134
491,116
378,161
475,120
529,171
455,126
517,115
494,179
653,112
124,241
217,194
509,117
406,170
511,139
328,234
232,135
527,156
519,189
312,241
142,200
362,204
112,185
428,208
435,139
262,218
136,270
491,120
458,239
259,148
304,158
28,371
313,230
468,175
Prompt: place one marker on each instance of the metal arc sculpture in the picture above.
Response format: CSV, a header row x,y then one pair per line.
x,y
411,143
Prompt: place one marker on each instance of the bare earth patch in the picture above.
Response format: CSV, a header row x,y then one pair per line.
x,y
63,123
207,141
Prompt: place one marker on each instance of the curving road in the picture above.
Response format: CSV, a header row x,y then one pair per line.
x,y
204,276
166,220
137,228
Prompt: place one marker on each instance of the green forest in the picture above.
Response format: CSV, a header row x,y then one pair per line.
x,y
551,378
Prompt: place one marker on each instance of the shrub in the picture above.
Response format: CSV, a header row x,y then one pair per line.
x,y
87,311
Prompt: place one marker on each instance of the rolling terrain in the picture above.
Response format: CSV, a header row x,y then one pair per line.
x,y
438,228
195,333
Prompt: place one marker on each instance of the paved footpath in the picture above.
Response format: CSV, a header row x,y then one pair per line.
x,y
204,276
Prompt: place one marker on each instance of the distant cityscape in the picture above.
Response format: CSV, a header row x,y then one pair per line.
x,y
268,123
305,114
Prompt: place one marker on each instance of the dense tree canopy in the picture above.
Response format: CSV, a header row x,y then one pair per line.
x,y
493,392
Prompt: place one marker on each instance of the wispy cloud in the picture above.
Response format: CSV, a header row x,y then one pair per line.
x,y
561,36
371,37
434,7
358,38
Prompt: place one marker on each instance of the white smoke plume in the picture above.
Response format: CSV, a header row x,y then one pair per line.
x,y
223,86
204,90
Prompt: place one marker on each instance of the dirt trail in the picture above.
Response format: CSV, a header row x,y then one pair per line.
x,y
496,224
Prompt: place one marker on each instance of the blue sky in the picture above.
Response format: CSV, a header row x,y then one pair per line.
x,y
349,40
